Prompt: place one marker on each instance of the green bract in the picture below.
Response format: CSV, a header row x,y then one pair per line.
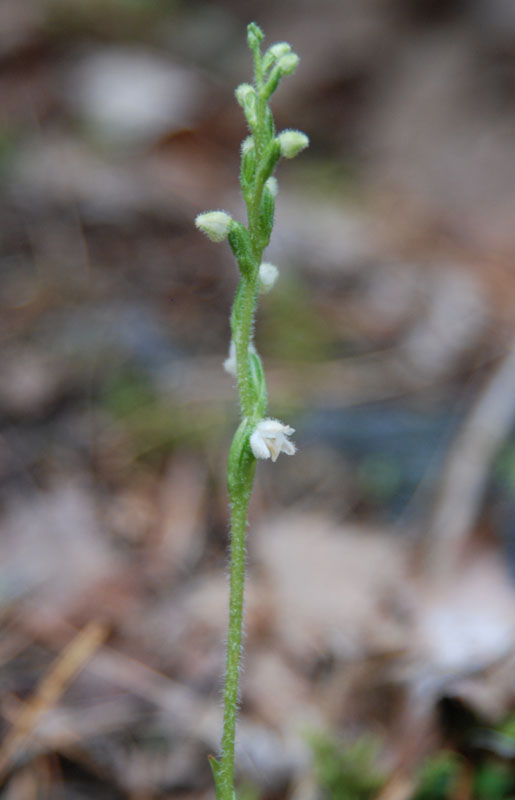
x,y
257,436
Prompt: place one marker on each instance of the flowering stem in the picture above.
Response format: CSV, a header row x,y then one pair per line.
x,y
256,436
240,496
240,486
246,297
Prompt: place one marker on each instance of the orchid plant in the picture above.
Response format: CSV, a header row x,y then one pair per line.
x,y
257,436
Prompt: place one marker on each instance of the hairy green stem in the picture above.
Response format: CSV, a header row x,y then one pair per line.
x,y
241,490
240,497
242,337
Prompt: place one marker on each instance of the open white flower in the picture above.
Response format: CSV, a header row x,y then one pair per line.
x,y
270,438
230,361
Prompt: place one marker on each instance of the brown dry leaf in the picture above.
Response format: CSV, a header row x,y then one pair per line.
x,y
72,659
23,786
278,695
328,583
30,382
438,136
53,551
467,622
182,512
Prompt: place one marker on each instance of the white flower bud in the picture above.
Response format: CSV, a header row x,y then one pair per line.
x,y
272,186
279,49
244,92
288,63
268,275
292,143
215,224
247,144
230,362
270,439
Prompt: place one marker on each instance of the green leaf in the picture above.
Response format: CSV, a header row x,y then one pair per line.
x,y
237,310
266,216
239,240
247,98
273,81
270,158
240,461
269,124
257,378
216,769
248,170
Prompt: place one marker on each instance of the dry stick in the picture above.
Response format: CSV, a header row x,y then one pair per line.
x,y
69,662
467,469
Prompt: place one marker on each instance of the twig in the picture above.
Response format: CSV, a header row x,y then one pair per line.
x,y
69,662
467,468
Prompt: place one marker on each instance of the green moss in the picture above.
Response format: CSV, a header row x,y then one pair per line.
x,y
494,781
346,772
438,777
155,423
293,328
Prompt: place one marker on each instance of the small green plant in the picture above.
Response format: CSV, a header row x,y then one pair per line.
x,y
257,436
346,773
438,777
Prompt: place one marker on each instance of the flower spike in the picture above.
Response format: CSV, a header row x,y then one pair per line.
x,y
257,436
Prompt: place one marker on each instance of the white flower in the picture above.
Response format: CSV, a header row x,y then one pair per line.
x,y
215,224
230,361
268,275
292,143
270,438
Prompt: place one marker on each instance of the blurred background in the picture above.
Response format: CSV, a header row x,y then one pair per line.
x,y
380,614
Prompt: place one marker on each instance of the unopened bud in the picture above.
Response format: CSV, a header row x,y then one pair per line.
x,y
292,143
279,49
288,63
215,224
268,275
254,35
247,145
243,92
274,53
247,98
272,186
